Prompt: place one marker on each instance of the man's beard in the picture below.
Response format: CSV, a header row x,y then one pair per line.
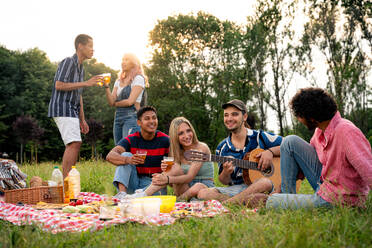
x,y
236,129
311,125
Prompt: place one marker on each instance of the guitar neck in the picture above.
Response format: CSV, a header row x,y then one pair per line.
x,y
244,164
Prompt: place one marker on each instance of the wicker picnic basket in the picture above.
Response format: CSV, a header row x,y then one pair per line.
x,y
48,194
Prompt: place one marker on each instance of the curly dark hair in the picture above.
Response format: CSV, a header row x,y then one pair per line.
x,y
145,109
313,103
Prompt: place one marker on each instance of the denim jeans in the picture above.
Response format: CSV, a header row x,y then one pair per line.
x,y
127,175
296,201
296,154
232,190
206,182
124,124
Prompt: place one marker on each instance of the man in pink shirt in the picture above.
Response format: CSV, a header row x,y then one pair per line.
x,y
337,162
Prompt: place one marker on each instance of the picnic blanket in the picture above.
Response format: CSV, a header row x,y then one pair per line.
x,y
56,221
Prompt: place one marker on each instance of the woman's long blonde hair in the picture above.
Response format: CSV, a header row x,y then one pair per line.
x,y
136,70
176,150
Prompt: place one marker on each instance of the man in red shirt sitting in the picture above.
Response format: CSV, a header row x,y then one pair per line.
x,y
134,172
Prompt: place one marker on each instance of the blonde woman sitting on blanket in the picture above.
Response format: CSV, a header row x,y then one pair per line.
x,y
186,177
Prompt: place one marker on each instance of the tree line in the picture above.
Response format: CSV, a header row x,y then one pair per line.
x,y
199,62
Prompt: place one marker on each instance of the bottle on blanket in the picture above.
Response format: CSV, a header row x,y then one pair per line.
x,y
57,176
72,185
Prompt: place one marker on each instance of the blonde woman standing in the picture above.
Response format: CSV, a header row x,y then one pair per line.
x,y
126,96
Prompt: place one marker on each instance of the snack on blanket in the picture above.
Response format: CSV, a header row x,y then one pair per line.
x,y
36,182
44,205
108,212
70,209
86,209
183,213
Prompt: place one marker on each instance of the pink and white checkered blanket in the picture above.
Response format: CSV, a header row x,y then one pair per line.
x,y
56,221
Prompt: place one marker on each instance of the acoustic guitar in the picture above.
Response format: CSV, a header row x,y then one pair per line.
x,y
249,164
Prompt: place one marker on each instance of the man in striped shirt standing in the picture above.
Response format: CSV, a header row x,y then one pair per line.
x,y
66,102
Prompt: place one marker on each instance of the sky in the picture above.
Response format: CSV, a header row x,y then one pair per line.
x,y
117,27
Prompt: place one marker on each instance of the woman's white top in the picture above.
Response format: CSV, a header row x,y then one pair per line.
x,y
138,80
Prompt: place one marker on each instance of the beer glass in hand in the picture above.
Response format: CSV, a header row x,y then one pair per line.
x,y
169,161
106,79
142,154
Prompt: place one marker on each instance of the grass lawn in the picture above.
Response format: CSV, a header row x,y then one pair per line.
x,y
338,227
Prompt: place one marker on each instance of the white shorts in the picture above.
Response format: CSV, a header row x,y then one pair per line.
x,y
69,129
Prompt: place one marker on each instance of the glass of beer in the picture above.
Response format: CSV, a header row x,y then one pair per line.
x,y
169,161
142,154
106,79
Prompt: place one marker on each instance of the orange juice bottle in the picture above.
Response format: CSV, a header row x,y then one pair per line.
x,y
67,190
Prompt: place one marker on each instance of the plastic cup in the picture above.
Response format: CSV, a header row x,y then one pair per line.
x,y
106,79
144,207
169,161
142,153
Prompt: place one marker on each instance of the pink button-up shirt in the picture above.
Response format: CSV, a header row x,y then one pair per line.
x,y
347,162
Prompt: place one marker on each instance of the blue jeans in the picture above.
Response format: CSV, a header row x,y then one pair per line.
x,y
296,154
232,190
124,124
127,175
206,182
296,201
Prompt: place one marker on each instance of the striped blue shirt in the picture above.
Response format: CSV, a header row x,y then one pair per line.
x,y
253,141
67,103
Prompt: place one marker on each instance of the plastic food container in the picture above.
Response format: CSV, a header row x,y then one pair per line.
x,y
144,206
167,202
108,212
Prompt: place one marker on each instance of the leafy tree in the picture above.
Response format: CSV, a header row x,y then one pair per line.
x,y
335,33
192,71
37,134
95,134
97,108
24,85
26,129
360,11
255,50
276,20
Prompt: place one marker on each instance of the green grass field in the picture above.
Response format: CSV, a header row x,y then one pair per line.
x,y
339,227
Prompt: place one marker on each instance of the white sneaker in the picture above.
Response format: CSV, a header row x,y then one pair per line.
x,y
121,195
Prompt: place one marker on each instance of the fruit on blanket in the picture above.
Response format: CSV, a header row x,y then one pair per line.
x,y
85,209
70,209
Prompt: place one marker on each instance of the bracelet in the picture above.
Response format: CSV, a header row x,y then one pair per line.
x,y
168,179
271,152
106,86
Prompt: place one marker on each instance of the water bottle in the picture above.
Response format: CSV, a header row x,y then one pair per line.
x,y
57,176
74,182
